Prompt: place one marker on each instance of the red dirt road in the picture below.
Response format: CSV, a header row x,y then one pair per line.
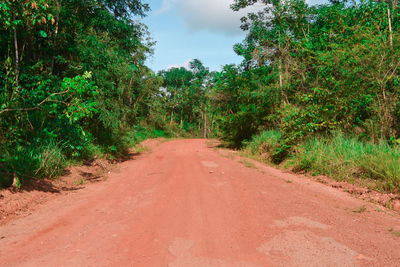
x,y
185,204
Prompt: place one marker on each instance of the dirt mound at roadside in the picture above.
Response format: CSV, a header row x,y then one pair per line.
x,y
14,203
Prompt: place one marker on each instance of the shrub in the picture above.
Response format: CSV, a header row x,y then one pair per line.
x,y
265,142
37,160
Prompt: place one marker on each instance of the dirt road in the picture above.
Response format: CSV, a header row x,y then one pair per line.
x,y
185,204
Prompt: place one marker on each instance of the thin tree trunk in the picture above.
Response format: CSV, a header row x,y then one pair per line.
x,y
56,33
205,124
390,28
21,58
16,58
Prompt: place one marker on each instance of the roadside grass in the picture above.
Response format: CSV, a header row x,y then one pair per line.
x,y
212,143
39,160
248,164
263,144
48,159
228,155
141,149
394,232
377,166
81,181
362,209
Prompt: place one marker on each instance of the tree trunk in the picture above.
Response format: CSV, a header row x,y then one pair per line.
x,y
390,28
16,58
205,124
55,33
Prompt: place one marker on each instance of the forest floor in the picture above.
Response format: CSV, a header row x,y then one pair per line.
x,y
189,203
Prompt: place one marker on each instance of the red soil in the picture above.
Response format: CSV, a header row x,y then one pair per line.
x,y
184,204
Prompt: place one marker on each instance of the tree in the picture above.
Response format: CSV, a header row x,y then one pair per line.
x,y
72,77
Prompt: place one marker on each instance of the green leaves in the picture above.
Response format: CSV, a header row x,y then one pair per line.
x,y
185,98
79,78
133,67
310,71
42,34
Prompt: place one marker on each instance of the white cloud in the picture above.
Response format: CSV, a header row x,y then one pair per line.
x,y
165,6
212,15
185,64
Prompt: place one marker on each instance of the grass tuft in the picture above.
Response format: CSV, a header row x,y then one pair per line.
x,y
263,144
362,209
248,164
394,232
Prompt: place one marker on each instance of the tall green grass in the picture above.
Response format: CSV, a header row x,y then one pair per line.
x,y
341,158
49,160
42,160
264,143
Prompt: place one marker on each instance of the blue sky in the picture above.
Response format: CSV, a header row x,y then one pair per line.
x,y
189,29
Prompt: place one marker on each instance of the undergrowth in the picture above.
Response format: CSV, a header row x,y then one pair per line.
x,y
49,159
263,144
34,161
339,157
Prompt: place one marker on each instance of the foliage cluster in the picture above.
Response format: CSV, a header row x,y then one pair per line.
x,y
314,70
183,100
72,82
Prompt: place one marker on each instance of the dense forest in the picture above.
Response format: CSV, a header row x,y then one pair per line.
x,y
317,90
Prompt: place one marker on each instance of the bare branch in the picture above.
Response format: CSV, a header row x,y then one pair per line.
x,y
47,99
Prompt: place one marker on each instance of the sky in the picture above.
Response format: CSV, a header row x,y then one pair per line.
x,y
188,29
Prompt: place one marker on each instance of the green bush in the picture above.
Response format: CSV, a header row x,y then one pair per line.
x,y
40,160
266,142
384,167
49,160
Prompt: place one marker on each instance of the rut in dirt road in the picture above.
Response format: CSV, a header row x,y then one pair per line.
x,y
185,204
